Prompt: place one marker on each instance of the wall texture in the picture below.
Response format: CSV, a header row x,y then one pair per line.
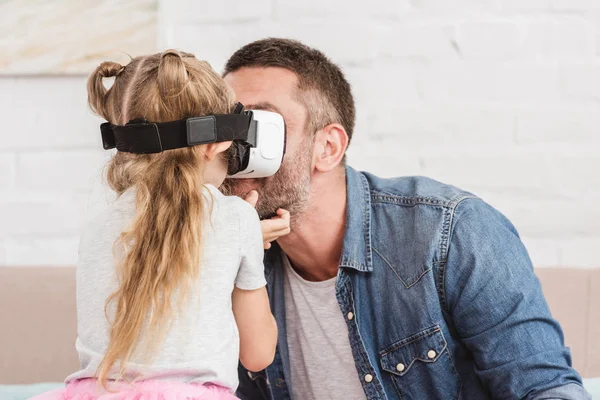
x,y
499,97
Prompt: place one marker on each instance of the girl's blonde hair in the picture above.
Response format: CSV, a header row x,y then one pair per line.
x,y
162,245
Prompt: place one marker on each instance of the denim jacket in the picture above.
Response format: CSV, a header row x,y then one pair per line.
x,y
440,300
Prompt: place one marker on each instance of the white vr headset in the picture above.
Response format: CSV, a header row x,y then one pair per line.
x,y
259,138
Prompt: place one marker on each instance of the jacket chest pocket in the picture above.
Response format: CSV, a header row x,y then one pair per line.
x,y
420,367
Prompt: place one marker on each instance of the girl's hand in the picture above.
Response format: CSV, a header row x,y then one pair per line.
x,y
274,228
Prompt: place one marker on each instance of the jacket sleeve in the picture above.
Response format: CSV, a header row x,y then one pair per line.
x,y
497,307
248,388
571,391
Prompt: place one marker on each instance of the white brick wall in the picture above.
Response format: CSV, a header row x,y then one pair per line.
x,y
50,159
501,97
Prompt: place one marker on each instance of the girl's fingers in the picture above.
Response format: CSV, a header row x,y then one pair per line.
x,y
276,235
271,225
274,228
283,213
252,198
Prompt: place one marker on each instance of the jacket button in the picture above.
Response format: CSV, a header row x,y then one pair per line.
x,y
400,367
350,316
368,378
431,354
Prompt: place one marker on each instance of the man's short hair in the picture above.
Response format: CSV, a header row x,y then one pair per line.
x,y
323,89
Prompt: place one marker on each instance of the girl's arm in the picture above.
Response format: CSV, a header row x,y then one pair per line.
x,y
258,330
250,303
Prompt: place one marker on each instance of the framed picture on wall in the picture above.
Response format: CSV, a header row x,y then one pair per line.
x,y
73,36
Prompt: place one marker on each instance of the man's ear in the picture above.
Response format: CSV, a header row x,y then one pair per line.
x,y
330,146
214,149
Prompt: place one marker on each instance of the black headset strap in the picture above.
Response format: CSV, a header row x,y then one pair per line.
x,y
143,137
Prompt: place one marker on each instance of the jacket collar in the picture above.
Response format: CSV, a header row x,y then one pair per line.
x,y
356,248
356,251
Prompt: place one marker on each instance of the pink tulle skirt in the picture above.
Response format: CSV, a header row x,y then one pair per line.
x,y
88,389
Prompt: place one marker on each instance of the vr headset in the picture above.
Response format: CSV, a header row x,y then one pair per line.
x,y
259,138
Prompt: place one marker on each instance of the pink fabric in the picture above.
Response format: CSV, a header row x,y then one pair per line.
x,y
88,389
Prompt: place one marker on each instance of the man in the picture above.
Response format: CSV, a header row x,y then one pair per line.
x,y
385,288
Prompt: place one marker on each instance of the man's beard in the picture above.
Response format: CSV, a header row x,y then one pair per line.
x,y
289,188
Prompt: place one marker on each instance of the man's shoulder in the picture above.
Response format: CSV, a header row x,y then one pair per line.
x,y
420,190
411,190
452,206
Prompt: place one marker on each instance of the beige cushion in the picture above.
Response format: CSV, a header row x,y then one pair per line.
x,y
592,365
38,324
570,307
574,299
38,320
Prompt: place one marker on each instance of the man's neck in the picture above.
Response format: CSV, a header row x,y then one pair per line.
x,y
314,246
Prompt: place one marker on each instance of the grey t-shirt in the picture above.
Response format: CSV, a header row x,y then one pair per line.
x,y
203,342
321,361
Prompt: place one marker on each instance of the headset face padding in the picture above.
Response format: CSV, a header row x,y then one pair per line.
x,y
238,157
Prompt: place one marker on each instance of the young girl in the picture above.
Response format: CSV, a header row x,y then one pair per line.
x,y
170,281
